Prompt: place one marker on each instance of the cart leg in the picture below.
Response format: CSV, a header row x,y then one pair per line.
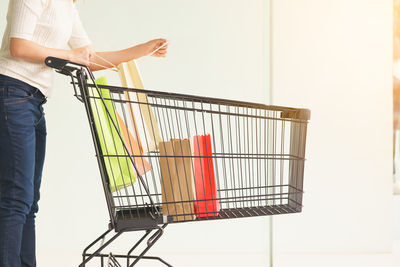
x,y
111,260
135,246
150,242
97,252
92,244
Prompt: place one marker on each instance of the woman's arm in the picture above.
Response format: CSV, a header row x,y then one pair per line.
x,y
134,52
31,51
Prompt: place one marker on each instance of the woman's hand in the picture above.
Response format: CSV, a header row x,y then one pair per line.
x,y
153,45
82,55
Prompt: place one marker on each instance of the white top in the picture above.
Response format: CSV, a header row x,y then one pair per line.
x,y
50,23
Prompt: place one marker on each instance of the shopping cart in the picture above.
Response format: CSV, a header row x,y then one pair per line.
x,y
214,158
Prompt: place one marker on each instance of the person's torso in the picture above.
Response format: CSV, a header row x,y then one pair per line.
x,y
53,30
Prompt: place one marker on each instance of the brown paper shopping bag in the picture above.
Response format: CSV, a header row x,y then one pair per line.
x,y
177,183
142,115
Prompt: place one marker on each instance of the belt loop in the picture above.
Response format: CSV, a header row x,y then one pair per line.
x,y
44,99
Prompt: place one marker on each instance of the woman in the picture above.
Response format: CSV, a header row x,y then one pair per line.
x,y
35,30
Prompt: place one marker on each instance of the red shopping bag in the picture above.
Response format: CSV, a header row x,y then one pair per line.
x,y
207,204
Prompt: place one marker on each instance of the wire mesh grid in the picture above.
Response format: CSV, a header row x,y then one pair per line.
x,y
250,163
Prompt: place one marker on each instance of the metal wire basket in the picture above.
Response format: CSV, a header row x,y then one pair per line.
x,y
249,162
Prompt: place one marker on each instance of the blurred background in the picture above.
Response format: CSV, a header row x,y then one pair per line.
x,y
396,114
336,58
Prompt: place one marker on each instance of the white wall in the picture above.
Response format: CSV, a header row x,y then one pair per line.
x,y
215,51
334,57
396,221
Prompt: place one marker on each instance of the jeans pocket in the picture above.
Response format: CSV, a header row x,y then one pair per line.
x,y
15,95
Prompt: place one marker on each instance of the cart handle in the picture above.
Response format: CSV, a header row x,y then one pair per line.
x,y
59,63
56,63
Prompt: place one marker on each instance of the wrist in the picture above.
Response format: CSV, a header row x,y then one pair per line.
x,y
142,50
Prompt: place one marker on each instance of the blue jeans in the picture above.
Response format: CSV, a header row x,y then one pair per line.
x,y
22,152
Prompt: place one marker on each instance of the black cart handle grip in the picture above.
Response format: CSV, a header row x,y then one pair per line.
x,y
56,63
64,66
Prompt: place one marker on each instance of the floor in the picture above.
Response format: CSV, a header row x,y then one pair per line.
x,y
177,260
335,260
250,260
311,260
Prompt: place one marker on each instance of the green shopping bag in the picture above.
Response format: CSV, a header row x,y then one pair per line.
x,y
119,169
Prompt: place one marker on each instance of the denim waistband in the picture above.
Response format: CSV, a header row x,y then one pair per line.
x,y
7,80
